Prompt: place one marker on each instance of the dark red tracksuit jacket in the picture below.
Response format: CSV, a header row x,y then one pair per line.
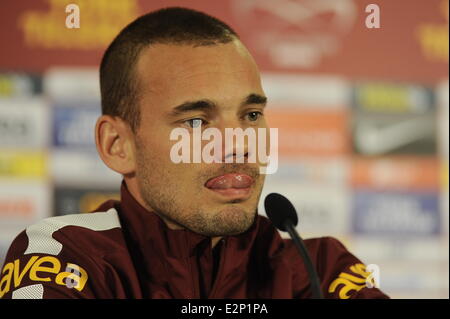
x,y
125,251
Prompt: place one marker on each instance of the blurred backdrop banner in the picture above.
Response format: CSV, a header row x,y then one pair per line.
x,y
358,90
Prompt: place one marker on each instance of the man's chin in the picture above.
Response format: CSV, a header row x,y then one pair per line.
x,y
232,220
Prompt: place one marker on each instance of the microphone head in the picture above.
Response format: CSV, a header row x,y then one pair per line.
x,y
279,209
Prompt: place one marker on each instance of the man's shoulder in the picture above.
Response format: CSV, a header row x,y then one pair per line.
x,y
49,235
320,249
326,253
90,234
325,244
73,248
317,245
343,275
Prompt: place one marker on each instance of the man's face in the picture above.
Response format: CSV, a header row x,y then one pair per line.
x,y
213,199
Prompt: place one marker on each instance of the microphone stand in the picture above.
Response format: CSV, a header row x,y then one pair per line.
x,y
314,279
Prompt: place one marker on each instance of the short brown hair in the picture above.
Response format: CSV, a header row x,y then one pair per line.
x,y
118,81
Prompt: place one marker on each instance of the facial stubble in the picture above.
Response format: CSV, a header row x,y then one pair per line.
x,y
183,204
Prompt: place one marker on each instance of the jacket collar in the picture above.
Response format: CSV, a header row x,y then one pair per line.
x,y
147,229
165,258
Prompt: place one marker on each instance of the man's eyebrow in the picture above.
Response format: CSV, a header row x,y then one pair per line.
x,y
200,105
255,99
206,105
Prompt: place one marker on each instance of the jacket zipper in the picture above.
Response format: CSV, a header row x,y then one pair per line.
x,y
220,270
192,290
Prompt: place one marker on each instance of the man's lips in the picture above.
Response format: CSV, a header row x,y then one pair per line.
x,y
233,186
230,181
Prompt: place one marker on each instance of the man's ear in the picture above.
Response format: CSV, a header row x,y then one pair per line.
x,y
115,144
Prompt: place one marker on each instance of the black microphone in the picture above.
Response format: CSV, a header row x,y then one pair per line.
x,y
283,215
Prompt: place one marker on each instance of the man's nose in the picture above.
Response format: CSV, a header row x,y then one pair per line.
x,y
235,145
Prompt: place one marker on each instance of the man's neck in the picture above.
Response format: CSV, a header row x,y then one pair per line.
x,y
134,191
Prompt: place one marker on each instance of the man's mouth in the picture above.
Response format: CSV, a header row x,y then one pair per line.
x,y
233,185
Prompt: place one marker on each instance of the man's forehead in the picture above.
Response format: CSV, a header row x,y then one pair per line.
x,y
182,72
159,62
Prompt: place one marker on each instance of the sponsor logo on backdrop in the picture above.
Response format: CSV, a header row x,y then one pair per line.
x,y
296,33
70,166
76,85
102,20
314,171
23,201
306,91
396,173
310,132
24,123
389,98
19,85
433,37
396,214
74,126
393,119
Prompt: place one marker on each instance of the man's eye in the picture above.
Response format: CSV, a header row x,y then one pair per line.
x,y
194,123
254,116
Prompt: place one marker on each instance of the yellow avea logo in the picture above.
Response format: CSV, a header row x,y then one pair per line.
x,y
350,282
72,277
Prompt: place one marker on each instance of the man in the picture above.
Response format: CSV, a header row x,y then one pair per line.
x,y
181,230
